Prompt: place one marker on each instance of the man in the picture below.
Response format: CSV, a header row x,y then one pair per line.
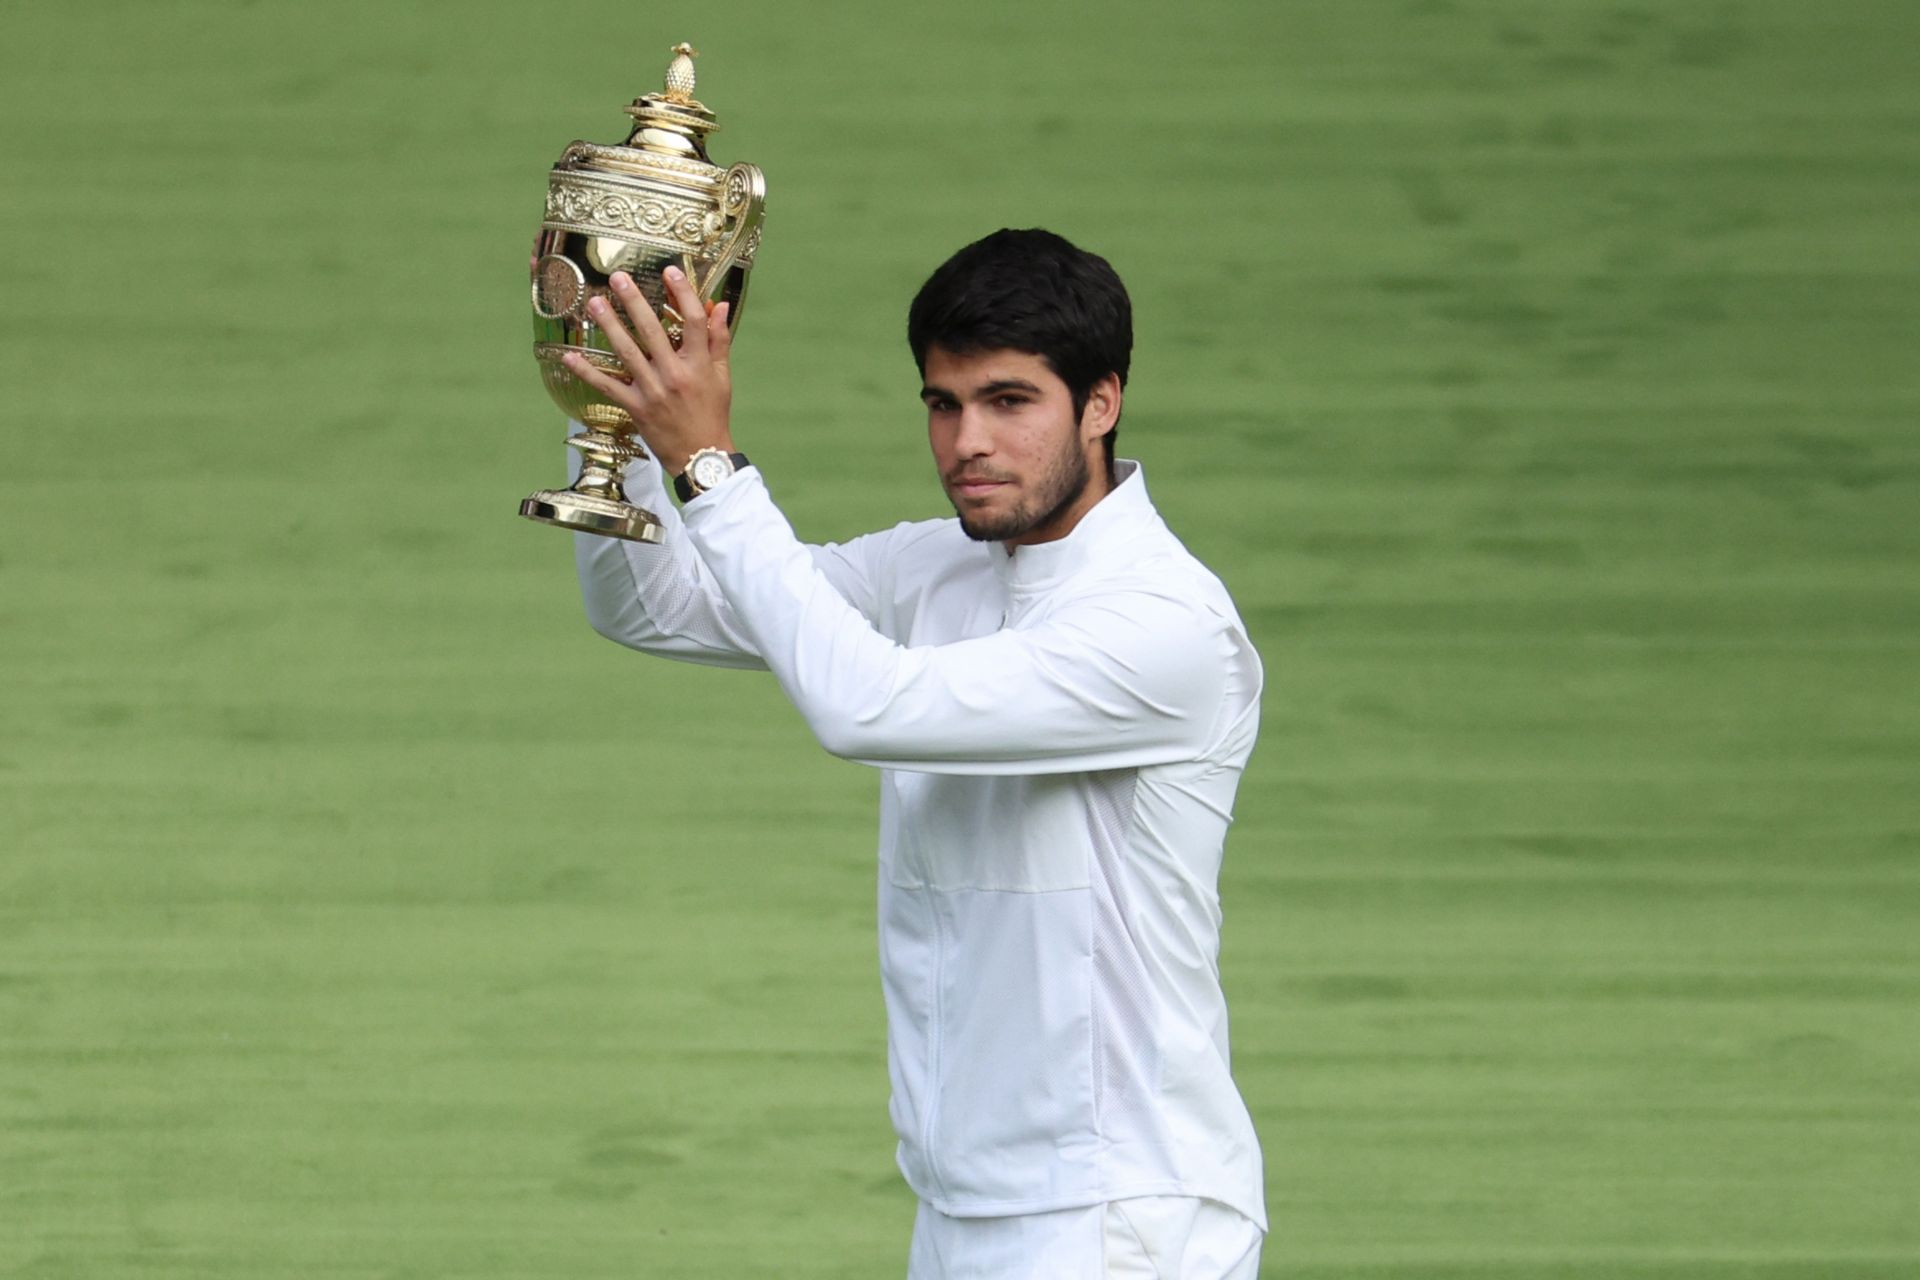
x,y
1061,700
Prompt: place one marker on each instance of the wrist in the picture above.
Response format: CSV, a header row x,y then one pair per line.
x,y
705,469
674,461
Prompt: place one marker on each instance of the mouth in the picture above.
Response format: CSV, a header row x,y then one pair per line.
x,y
974,486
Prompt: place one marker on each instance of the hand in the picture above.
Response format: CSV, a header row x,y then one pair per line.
x,y
680,400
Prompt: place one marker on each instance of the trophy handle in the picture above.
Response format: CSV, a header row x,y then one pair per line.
x,y
743,203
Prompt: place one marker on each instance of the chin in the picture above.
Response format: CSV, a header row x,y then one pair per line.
x,y
991,529
980,532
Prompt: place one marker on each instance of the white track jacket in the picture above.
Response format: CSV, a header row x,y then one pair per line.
x,y
1060,732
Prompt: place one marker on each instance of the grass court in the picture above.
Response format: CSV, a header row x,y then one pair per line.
x,y
1530,371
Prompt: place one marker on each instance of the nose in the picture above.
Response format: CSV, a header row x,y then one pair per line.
x,y
972,438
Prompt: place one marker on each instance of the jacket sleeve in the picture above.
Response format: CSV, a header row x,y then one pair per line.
x,y
661,599
1124,678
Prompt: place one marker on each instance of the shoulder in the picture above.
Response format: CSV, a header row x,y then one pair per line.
x,y
1158,565
1181,611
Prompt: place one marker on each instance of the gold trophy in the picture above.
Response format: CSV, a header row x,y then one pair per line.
x,y
654,201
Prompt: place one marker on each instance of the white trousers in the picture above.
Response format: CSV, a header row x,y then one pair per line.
x,y
1149,1238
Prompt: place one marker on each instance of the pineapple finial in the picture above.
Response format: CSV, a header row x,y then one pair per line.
x,y
680,73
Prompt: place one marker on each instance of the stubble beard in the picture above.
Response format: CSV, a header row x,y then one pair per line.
x,y
1059,489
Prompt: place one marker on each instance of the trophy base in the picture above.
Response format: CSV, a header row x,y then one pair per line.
x,y
584,513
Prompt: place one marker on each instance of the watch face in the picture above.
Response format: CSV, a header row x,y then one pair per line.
x,y
709,470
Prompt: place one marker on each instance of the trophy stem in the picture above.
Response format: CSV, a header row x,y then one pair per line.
x,y
603,462
597,501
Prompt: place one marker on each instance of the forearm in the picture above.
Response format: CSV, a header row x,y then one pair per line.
x,y
658,598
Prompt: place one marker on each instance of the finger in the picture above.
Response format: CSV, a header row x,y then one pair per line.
x,y
646,325
602,313
693,316
606,384
720,333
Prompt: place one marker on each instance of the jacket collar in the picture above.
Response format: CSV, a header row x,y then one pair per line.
x,y
1116,520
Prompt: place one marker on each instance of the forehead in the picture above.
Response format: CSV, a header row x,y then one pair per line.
x,y
959,371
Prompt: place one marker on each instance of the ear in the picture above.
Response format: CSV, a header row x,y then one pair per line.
x,y
1103,408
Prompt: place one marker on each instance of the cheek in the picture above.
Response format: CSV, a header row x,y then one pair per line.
x,y
944,441
1046,440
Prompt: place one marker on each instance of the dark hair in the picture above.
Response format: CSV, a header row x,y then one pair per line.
x,y
1029,291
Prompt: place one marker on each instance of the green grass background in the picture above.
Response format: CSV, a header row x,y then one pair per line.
x,y
1540,375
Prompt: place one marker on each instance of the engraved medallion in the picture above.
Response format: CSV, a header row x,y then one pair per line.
x,y
559,288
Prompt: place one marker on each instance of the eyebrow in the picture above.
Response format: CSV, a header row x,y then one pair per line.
x,y
993,388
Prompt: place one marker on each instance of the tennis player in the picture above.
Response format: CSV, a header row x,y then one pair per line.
x,y
1060,700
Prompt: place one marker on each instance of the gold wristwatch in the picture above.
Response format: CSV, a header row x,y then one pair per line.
x,y
705,469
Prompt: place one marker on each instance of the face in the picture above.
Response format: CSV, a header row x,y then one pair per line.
x,y
1017,465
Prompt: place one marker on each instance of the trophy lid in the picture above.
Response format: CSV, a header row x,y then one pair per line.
x,y
673,122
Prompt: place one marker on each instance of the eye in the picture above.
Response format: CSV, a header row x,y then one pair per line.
x,y
1010,401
